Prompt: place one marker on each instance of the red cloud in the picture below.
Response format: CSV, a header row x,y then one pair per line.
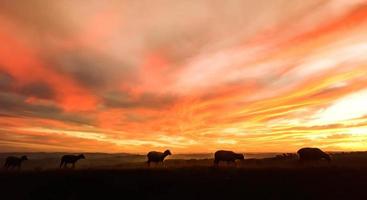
x,y
25,65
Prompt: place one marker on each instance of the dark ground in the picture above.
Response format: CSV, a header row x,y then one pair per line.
x,y
344,178
187,183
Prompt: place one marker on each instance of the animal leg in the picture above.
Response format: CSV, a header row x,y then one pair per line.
x,y
6,165
216,163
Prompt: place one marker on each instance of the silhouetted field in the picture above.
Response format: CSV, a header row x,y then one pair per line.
x,y
270,178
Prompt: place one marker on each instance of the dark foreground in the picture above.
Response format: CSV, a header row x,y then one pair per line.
x,y
312,182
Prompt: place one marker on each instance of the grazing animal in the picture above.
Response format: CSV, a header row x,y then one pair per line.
x,y
312,154
228,156
66,159
157,157
12,162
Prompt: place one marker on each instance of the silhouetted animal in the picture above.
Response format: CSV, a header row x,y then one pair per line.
x,y
227,156
157,157
312,154
12,162
66,159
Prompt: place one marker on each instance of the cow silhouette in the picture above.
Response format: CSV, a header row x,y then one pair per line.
x,y
157,157
312,154
12,162
70,159
227,156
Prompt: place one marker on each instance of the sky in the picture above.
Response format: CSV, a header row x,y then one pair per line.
x,y
190,76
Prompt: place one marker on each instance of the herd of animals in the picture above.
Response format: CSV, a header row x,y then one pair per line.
x,y
305,154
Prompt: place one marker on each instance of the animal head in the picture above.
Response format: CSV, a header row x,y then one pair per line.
x,y
81,156
327,157
167,152
24,158
240,156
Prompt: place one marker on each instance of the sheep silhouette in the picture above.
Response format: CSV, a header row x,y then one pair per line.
x,y
157,157
72,159
312,154
12,162
227,156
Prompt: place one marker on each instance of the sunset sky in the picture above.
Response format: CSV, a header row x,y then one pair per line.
x,y
189,76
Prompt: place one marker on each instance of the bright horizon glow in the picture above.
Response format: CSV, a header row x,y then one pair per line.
x,y
189,76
